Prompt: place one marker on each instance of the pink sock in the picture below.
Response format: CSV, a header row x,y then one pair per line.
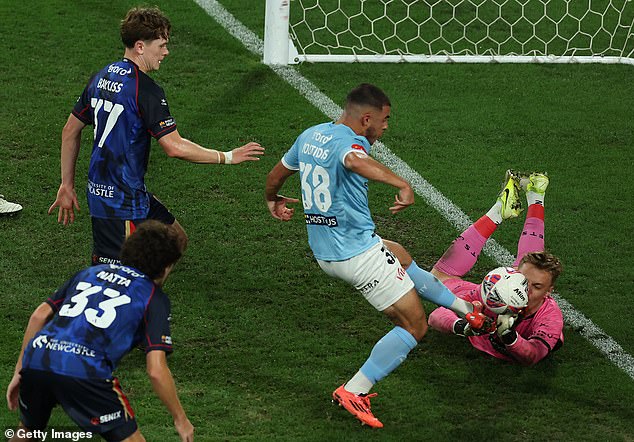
x,y
532,238
464,251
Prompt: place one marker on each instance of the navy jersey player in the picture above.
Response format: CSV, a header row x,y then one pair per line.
x,y
75,340
127,109
334,166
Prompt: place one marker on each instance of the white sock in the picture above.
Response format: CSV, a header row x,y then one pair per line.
x,y
535,198
359,384
461,307
495,212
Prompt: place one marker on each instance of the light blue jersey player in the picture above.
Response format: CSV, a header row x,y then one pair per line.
x,y
334,166
335,199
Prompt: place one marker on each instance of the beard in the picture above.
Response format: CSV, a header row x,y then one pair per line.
x,y
371,135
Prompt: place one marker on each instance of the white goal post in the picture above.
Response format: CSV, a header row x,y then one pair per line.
x,y
466,31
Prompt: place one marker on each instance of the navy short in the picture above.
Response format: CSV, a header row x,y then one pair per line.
x,y
108,234
98,406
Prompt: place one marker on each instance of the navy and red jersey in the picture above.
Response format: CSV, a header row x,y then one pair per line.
x,y
101,314
127,108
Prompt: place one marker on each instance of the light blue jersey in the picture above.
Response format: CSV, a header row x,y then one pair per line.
x,y
335,199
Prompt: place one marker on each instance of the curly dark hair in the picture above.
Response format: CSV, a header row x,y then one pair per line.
x,y
367,94
151,248
144,24
544,261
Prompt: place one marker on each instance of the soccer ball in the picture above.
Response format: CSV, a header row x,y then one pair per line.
x,y
504,290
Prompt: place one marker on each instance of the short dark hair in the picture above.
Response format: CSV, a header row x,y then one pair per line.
x,y
367,94
544,261
144,24
151,248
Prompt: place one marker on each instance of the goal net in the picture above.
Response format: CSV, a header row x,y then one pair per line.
x,y
556,31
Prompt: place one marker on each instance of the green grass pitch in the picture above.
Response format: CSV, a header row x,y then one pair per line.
x,y
262,336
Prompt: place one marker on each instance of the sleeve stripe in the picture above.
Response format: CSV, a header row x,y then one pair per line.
x,y
80,115
163,132
147,336
285,164
54,304
542,341
136,97
164,347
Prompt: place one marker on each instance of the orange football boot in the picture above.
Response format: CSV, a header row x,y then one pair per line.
x,y
358,405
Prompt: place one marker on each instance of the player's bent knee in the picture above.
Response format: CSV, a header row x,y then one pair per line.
x,y
415,326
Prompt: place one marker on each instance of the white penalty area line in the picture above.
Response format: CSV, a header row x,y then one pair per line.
x,y
577,320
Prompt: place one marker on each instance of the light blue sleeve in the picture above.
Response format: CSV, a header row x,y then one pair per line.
x,y
290,160
352,144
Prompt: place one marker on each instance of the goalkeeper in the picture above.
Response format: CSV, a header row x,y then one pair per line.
x,y
538,330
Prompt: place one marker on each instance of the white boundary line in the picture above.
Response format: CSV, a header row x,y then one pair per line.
x,y
608,346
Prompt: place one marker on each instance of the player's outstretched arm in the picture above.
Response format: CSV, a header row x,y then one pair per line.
x,y
176,146
373,170
42,314
277,203
66,199
163,384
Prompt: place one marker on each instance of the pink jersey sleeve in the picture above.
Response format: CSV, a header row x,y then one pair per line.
x,y
469,291
442,319
539,335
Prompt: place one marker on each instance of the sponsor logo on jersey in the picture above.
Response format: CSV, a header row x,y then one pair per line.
x,y
320,138
103,419
358,147
101,190
63,346
40,341
321,220
114,69
127,270
167,123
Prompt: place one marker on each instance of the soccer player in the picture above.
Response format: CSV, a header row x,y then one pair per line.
x,y
334,165
8,208
75,340
127,109
538,330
